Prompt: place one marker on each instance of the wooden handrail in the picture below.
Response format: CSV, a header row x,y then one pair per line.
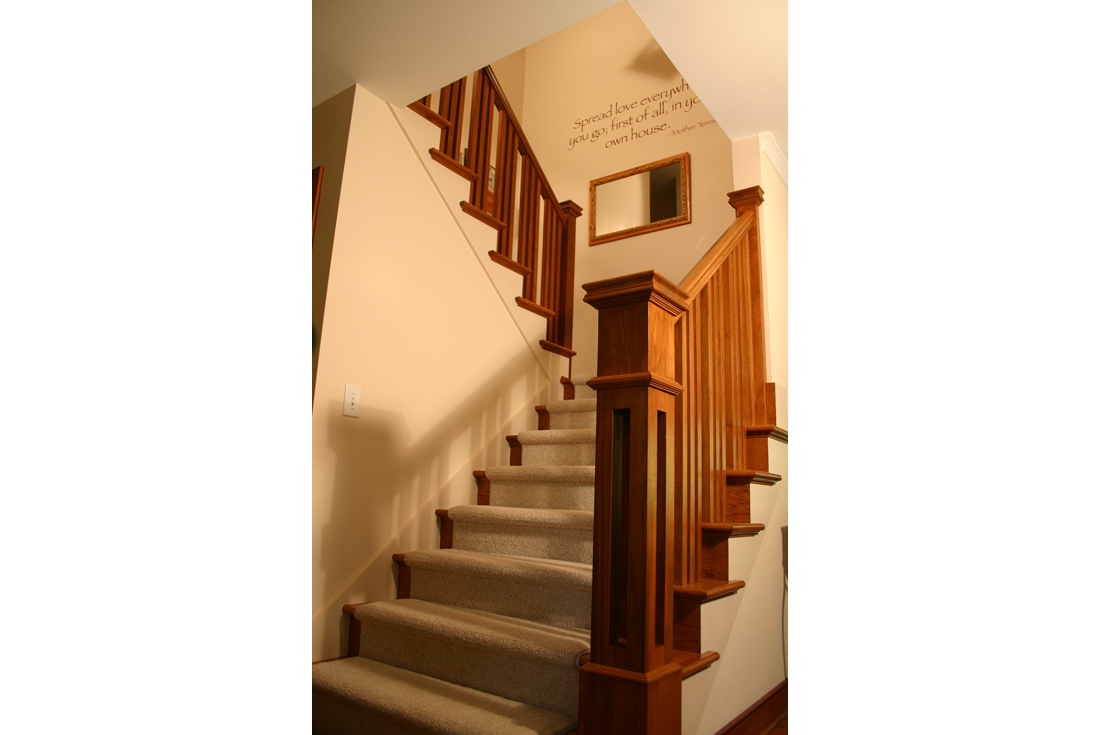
x,y
713,258
544,229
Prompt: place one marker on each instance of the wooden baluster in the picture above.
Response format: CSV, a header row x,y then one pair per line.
x,y
632,684
479,147
453,100
507,154
529,220
549,259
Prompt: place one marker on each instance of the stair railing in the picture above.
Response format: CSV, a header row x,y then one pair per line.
x,y
680,382
720,344
481,140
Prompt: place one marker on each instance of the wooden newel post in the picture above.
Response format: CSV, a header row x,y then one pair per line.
x,y
631,683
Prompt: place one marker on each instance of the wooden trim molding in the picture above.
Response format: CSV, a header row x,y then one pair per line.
x,y
693,663
481,216
544,417
515,454
535,308
636,380
508,263
446,529
733,530
355,629
483,487
452,165
557,350
761,715
568,389
404,577
429,114
771,431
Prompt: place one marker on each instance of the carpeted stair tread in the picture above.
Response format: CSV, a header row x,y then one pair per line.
x,y
554,447
546,644
557,436
555,486
572,414
576,405
530,532
534,517
542,572
548,591
357,696
556,473
581,390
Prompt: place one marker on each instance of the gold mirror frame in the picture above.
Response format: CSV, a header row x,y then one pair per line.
x,y
685,201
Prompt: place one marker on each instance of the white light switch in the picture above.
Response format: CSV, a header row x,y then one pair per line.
x,y
352,394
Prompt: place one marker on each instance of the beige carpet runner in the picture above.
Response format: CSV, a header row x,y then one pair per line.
x,y
491,637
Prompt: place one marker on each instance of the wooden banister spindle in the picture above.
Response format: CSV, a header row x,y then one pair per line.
x,y
451,103
479,146
632,684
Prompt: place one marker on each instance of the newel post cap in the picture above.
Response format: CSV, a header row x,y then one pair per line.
x,y
637,287
752,196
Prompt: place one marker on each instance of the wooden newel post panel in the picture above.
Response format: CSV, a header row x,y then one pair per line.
x,y
631,683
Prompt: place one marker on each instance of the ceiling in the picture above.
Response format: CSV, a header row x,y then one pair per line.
x,y
733,53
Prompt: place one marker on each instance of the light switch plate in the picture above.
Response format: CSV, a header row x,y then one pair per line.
x,y
352,394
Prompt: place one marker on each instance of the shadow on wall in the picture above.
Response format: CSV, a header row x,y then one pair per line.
x,y
381,481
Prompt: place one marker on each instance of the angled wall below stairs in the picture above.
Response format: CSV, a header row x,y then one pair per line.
x,y
412,318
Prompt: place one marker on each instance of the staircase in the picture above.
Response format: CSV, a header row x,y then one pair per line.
x,y
489,631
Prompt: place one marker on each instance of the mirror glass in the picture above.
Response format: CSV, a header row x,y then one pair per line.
x,y
640,200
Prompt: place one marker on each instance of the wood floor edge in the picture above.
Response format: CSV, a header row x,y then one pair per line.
x,y
761,715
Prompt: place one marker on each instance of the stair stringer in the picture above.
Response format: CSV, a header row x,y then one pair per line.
x,y
748,629
453,190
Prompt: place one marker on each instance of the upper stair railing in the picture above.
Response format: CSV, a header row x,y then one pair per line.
x,y
681,389
481,140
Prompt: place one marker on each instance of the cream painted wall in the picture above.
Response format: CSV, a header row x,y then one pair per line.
x,y
510,72
577,74
412,318
773,217
330,143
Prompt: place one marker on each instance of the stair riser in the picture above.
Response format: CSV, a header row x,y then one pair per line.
x,y
547,455
559,495
580,392
543,685
332,715
568,608
575,420
566,544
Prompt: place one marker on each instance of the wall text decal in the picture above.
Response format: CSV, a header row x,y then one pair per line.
x,y
623,123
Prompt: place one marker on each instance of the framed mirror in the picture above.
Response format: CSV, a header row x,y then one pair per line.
x,y
640,200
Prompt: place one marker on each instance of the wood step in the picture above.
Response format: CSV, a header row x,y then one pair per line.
x,y
714,560
687,602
